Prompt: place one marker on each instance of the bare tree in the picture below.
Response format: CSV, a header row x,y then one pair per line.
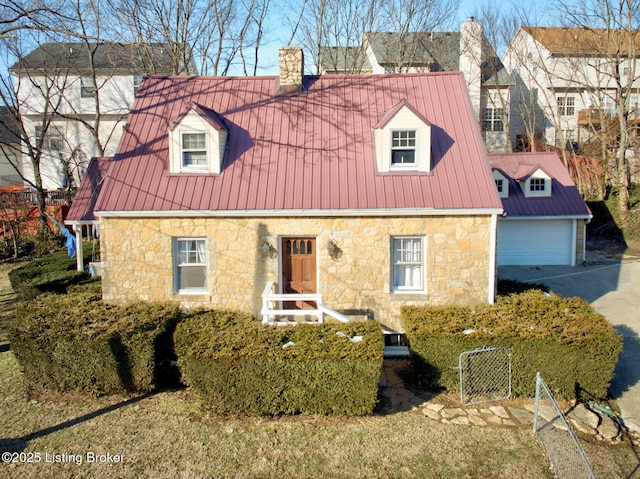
x,y
612,76
206,36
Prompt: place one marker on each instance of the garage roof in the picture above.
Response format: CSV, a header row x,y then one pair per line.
x,y
565,199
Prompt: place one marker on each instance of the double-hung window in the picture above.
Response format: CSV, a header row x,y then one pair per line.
x,y
566,105
53,139
137,81
492,119
403,148
87,87
408,263
190,257
194,150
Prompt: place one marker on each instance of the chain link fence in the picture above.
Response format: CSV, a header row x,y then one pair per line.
x,y
555,434
485,375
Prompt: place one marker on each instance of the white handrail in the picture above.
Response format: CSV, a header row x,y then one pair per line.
x,y
270,299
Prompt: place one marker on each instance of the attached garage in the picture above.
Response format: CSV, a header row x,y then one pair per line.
x,y
537,242
544,219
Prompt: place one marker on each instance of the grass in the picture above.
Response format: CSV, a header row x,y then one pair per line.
x,y
166,435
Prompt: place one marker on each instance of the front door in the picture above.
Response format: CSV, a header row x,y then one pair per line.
x,y
299,270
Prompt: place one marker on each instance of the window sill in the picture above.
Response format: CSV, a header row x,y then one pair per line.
x,y
192,296
398,293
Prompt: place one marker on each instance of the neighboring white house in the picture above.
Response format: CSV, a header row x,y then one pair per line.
x,y
468,51
73,99
568,82
9,149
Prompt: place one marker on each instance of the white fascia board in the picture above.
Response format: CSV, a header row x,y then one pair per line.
x,y
548,217
81,222
301,213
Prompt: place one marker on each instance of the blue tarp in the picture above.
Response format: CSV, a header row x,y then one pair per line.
x,y
71,239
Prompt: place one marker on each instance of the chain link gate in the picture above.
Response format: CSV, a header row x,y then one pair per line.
x,y
485,375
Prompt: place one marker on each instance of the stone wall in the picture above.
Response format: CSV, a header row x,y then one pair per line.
x,y
138,260
291,64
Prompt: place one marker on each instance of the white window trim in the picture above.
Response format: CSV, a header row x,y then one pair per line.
x,y
542,182
176,267
493,119
566,104
423,263
204,167
137,81
404,166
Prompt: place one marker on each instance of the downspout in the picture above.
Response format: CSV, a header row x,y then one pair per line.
x,y
493,246
79,253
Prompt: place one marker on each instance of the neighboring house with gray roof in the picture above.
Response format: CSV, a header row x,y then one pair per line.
x,y
468,51
74,98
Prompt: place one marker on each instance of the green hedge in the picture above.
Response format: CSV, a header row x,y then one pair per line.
x,y
573,347
53,273
238,365
74,342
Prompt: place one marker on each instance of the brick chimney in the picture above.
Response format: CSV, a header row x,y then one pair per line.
x,y
291,62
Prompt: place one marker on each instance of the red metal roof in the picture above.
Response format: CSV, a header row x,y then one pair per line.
x,y
306,151
84,201
565,200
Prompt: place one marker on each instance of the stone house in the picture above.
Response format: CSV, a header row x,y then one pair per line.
x,y
356,194
74,99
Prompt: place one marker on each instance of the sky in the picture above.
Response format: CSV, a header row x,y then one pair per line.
x,y
269,54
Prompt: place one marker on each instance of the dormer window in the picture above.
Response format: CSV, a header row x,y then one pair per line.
x,y
403,140
537,185
194,150
197,141
403,148
502,183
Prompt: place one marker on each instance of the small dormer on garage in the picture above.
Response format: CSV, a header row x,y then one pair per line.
x,y
197,141
502,183
534,181
403,140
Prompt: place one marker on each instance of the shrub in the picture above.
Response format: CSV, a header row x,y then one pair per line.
x,y
565,340
52,273
238,365
74,342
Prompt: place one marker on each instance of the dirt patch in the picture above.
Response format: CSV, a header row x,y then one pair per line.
x,y
604,250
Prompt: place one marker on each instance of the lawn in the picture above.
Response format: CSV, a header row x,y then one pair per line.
x,y
166,435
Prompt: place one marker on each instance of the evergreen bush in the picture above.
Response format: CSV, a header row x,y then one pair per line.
x,y
237,365
75,342
564,339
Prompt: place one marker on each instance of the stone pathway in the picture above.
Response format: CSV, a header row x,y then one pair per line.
x,y
444,409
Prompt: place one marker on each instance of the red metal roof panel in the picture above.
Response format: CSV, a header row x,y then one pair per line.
x,y
310,150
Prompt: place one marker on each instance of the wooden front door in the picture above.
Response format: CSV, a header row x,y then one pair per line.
x,y
299,270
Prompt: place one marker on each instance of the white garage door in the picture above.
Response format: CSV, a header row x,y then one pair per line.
x,y
535,242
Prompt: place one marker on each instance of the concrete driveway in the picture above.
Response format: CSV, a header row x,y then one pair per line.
x,y
612,286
